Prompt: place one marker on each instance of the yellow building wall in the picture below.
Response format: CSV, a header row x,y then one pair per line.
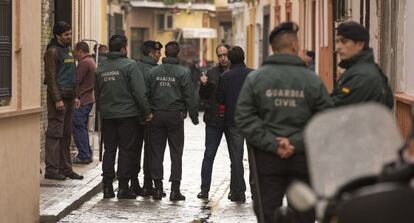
x,y
193,20
103,26
221,3
20,120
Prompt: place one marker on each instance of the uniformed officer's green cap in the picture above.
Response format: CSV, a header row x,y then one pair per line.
x,y
284,27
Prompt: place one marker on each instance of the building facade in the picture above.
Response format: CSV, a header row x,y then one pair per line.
x,y
197,25
20,109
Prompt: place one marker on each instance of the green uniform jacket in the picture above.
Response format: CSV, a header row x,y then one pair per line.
x,y
145,64
120,88
277,100
171,89
362,81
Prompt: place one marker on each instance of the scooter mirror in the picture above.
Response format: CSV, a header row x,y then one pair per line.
x,y
301,196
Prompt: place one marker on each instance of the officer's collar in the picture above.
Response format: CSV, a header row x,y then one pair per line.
x,y
115,55
285,59
366,55
148,60
170,60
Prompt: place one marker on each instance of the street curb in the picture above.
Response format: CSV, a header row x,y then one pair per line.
x,y
60,210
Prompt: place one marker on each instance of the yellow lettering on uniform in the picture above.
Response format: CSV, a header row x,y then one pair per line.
x,y
345,90
69,60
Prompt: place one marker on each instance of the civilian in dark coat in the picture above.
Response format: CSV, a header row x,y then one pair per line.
x,y
214,122
230,85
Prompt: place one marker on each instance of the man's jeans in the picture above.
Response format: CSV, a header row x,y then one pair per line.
x,y
235,147
80,131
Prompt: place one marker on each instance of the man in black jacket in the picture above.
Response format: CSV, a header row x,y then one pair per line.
x,y
229,88
212,119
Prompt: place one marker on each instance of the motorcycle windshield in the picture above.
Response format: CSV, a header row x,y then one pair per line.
x,y
346,143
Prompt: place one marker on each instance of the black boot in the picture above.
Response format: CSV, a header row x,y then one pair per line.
x,y
108,190
175,192
203,194
147,189
157,194
238,197
124,192
135,188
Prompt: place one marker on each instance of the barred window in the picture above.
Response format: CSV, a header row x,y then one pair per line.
x,y
5,48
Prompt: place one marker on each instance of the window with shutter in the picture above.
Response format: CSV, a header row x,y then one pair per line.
x,y
5,48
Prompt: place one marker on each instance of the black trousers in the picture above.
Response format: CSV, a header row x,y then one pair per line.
x,y
167,125
147,157
136,162
235,146
119,133
275,174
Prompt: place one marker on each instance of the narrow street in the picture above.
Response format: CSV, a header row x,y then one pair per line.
x,y
217,209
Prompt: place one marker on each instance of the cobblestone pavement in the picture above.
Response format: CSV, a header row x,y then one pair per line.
x,y
217,209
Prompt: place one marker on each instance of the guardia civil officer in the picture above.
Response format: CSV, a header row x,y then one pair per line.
x,y
149,59
275,104
120,95
363,79
171,95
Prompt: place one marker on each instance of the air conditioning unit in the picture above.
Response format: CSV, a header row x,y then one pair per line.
x,y
165,21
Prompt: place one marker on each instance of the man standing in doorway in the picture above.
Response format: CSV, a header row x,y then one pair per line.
x,y
212,119
85,77
60,79
171,95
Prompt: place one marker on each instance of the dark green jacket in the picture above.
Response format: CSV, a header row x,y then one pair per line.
x,y
145,64
120,88
171,89
362,81
278,100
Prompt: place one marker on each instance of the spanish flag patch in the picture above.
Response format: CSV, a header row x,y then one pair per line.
x,y
345,90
